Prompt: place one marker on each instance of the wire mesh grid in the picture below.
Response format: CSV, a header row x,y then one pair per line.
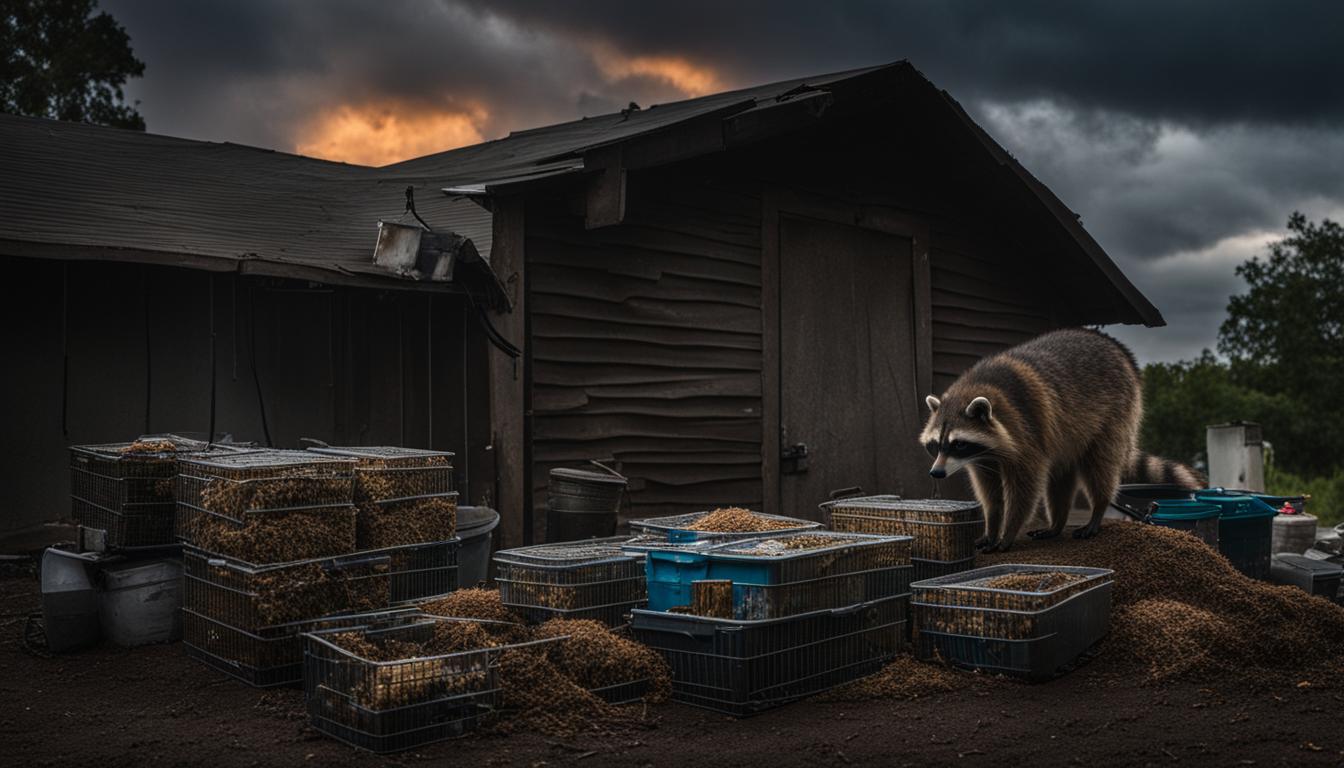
x,y
390,472
742,668
933,569
849,553
250,596
729,600
271,656
680,526
976,588
615,615
272,535
590,579
235,484
389,706
943,529
407,520
136,526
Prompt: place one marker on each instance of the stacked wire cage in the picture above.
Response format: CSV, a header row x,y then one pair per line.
x,y
403,495
750,624
361,687
944,530
1030,621
271,552
122,494
591,579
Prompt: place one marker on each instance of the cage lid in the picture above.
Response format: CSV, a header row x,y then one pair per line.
x,y
775,547
269,458
898,503
182,446
568,553
379,452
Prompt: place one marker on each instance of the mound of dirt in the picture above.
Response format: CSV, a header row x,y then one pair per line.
x,y
595,657
904,679
1180,607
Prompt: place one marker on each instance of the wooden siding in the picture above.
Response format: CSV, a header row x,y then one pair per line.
x,y
646,345
982,302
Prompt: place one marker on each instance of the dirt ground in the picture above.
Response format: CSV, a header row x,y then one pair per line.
x,y
154,706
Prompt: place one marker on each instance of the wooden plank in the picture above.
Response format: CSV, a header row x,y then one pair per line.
x,y
637,445
565,327
946,298
720,385
689,408
578,375
669,314
585,428
604,286
644,263
987,333
952,317
506,380
604,190
621,353
770,367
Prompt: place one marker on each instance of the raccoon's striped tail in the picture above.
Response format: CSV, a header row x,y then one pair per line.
x,y
1147,468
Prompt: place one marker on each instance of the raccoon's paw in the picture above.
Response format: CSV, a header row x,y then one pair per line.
x,y
997,546
986,543
1043,533
1086,532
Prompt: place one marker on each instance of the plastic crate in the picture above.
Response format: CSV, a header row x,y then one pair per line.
x,y
232,485
674,528
745,667
943,529
731,600
250,596
1245,530
328,531
390,706
390,472
1315,577
271,656
1039,636
591,579
128,497
672,571
408,520
932,569
1197,518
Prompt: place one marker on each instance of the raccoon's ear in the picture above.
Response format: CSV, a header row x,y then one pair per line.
x,y
980,407
932,402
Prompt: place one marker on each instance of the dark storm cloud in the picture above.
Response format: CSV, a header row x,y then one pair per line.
x,y
1183,133
1198,60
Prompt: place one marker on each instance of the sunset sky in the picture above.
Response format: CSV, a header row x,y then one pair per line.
x,y
1183,133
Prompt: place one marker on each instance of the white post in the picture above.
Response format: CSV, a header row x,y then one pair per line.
x,y
1236,456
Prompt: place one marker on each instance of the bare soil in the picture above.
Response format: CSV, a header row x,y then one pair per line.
x,y
154,706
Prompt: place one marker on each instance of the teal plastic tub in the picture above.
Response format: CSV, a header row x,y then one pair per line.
x,y
1196,517
1245,530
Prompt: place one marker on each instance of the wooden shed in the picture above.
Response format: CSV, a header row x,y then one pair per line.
x,y
741,298
744,298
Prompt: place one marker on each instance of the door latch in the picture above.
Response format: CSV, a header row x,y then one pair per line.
x,y
793,459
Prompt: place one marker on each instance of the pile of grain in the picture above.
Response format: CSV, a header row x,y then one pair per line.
x,y
1181,608
234,498
537,696
903,679
472,603
407,521
1034,581
277,537
149,446
737,520
595,657
380,479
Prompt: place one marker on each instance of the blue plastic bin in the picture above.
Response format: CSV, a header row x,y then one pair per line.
x,y
1245,530
1197,517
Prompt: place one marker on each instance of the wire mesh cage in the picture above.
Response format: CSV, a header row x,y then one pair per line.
x,y
250,596
271,535
233,485
591,579
745,667
740,524
944,529
731,600
125,490
352,694
270,656
1038,624
932,569
391,472
410,520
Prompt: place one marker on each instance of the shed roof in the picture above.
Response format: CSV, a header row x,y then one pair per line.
x,y
79,191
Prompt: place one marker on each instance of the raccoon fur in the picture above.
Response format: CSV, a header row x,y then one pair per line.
x,y
1147,468
1033,423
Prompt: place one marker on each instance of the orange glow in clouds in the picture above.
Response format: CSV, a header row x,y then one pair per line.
x,y
379,134
691,79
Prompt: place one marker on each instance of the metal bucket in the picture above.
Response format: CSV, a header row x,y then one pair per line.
x,y
69,601
398,247
474,527
140,602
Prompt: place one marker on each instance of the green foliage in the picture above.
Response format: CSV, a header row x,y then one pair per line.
x,y
60,59
1327,492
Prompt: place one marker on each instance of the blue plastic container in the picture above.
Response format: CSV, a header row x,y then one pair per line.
x,y
1197,517
1245,530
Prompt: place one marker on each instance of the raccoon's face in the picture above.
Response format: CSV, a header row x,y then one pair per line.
x,y
956,437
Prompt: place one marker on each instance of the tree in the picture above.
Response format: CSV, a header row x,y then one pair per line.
x,y
60,59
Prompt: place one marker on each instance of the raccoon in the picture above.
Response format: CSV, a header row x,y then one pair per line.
x,y
1033,422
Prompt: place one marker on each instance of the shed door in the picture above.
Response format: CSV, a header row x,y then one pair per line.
x,y
847,363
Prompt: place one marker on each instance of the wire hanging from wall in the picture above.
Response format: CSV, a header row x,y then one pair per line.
x,y
252,352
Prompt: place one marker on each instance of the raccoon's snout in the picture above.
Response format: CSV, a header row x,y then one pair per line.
x,y
937,472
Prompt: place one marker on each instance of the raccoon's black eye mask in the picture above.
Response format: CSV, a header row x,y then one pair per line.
x,y
957,449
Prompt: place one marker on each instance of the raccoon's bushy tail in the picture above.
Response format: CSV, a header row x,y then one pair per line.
x,y
1147,468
